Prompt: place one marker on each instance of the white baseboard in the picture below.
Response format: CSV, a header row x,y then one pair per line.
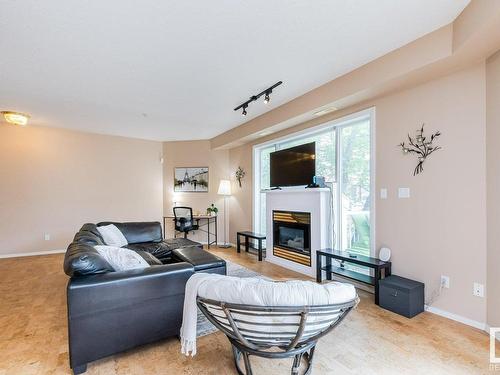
x,y
17,255
457,318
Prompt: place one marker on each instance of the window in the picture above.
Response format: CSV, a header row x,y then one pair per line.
x,y
355,188
344,158
264,184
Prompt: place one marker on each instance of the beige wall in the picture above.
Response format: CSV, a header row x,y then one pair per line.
x,y
195,154
493,186
441,229
242,206
52,181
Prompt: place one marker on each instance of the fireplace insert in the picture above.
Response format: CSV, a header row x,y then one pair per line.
x,y
292,236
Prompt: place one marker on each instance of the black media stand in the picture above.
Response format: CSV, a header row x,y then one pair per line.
x,y
344,257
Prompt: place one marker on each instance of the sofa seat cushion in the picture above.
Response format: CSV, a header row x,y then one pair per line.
x,y
149,258
200,259
177,243
159,249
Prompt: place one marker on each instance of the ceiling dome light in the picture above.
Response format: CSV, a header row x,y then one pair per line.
x,y
15,118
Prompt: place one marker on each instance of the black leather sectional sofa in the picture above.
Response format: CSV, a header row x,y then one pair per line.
x,y
108,311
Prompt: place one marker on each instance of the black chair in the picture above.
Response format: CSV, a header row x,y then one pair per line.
x,y
183,218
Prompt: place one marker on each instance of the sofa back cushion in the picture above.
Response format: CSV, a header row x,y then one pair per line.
x,y
112,235
138,232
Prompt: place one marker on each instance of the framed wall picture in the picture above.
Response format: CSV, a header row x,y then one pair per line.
x,y
191,179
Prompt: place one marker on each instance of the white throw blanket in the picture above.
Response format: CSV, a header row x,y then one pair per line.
x,y
254,291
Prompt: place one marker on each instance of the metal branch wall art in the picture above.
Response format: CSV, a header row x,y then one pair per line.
x,y
240,174
421,146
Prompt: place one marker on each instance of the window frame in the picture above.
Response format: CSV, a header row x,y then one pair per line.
x,y
333,125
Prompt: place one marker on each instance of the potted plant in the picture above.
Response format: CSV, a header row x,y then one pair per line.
x,y
212,210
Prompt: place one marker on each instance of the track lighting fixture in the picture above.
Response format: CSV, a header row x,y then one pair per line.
x,y
267,97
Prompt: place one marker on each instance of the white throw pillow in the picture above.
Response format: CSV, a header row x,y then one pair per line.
x,y
112,236
121,259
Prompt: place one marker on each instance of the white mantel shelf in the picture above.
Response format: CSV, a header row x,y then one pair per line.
x,y
315,201
297,190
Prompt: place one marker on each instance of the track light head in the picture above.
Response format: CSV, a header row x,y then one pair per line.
x,y
244,113
267,98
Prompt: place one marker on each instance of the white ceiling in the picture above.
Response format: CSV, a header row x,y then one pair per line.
x,y
174,70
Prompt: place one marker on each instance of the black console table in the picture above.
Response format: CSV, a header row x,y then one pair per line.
x,y
247,235
344,257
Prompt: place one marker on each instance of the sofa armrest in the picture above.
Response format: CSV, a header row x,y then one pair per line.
x,y
112,290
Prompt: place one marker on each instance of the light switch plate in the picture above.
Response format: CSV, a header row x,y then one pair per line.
x,y
403,192
445,282
47,237
383,193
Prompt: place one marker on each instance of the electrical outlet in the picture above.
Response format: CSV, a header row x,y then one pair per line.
x,y
445,282
47,237
478,290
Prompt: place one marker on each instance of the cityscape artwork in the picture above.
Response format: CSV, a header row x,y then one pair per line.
x,y
191,179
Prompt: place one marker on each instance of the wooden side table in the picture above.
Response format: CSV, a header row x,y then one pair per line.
x,y
344,257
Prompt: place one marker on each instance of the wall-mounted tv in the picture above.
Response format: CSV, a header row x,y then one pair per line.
x,y
294,166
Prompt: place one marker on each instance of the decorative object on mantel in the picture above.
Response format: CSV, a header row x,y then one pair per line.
x,y
421,146
212,210
240,174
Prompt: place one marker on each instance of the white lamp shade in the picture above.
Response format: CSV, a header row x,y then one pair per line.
x,y
224,187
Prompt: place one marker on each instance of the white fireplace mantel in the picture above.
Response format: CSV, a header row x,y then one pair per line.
x,y
317,203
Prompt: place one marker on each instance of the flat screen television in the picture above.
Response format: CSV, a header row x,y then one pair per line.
x,y
294,166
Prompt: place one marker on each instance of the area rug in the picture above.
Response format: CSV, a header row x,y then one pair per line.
x,y
204,326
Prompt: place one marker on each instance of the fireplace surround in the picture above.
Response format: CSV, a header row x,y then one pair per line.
x,y
292,236
315,203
